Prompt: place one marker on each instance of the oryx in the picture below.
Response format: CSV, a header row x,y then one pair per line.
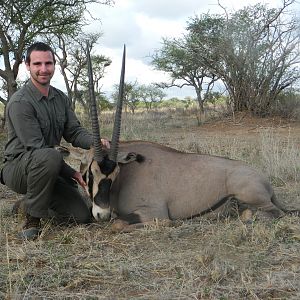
x,y
140,181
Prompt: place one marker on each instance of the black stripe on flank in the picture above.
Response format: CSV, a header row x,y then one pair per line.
x,y
221,202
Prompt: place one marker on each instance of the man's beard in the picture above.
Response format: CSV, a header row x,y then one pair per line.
x,y
37,76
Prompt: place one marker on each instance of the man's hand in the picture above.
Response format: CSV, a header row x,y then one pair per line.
x,y
78,177
105,143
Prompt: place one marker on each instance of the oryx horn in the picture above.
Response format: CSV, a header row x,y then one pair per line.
x,y
118,115
99,154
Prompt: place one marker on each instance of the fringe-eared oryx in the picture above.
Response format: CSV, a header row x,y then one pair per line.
x,y
140,181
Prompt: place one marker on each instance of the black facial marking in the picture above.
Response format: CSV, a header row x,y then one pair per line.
x,y
107,166
91,182
102,197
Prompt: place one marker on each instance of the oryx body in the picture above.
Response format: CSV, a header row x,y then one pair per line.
x,y
170,184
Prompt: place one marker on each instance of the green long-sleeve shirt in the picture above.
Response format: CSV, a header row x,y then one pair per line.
x,y
35,121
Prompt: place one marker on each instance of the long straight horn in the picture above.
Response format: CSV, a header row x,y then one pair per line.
x,y
118,116
93,108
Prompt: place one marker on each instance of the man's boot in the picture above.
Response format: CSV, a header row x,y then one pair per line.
x,y
31,228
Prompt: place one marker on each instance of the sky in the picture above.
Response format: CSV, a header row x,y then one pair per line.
x,y
141,25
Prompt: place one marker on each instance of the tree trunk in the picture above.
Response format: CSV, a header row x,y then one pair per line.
x,y
200,111
11,89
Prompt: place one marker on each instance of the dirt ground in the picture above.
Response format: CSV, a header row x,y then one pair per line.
x,y
245,125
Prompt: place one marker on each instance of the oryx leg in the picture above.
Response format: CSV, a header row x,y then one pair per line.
x,y
123,226
144,216
260,199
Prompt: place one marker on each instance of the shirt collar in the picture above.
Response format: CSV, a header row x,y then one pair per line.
x,y
37,94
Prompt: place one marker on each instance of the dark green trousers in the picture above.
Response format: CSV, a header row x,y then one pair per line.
x,y
36,174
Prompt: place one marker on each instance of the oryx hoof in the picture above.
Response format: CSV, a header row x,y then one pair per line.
x,y
247,216
119,226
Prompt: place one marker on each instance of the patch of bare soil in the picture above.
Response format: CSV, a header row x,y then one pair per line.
x,y
245,125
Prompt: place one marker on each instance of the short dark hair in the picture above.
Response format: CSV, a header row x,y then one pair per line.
x,y
38,46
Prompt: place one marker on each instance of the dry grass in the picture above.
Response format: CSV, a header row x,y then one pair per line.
x,y
195,259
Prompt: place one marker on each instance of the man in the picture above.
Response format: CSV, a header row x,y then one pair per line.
x,y
38,116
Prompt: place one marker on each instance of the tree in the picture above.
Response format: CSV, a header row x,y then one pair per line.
x,y
104,103
131,95
71,56
255,52
185,68
150,94
23,21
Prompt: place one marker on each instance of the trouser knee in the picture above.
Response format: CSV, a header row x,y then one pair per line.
x,y
48,160
31,169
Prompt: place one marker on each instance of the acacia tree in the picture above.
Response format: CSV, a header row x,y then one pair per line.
x,y
131,95
22,21
185,68
150,94
255,51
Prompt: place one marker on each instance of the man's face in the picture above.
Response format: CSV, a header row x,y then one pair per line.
x,y
41,67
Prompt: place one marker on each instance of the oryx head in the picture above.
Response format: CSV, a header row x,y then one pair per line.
x,y
103,168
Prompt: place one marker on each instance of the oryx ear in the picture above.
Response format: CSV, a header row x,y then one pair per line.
x,y
86,160
128,157
63,150
76,153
